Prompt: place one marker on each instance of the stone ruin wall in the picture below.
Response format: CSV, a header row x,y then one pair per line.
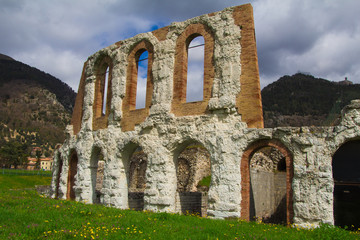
x,y
227,123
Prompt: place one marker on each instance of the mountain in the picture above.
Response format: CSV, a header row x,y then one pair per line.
x,y
303,100
13,70
35,107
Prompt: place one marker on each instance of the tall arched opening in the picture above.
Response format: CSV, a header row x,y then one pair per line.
x,y
193,171
139,86
58,174
186,101
70,195
103,94
135,166
97,174
266,176
346,174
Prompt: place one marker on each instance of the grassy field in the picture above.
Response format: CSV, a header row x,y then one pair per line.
x,y
26,215
21,182
24,172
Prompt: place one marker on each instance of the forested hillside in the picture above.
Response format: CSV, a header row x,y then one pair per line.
x,y
303,100
35,108
13,70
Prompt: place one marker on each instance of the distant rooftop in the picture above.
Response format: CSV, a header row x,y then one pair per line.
x,y
346,82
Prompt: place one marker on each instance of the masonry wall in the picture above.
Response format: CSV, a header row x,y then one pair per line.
x,y
227,124
230,60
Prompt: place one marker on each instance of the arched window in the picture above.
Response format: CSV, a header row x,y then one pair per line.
x,y
139,86
142,72
195,70
102,100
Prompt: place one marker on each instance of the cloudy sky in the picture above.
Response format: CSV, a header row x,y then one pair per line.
x,y
319,37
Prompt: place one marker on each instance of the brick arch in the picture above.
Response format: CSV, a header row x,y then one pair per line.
x,y
73,162
245,176
77,115
100,120
132,116
179,105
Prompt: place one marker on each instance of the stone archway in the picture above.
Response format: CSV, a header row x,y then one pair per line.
x,y
193,172
137,179
70,195
58,174
97,174
279,209
346,174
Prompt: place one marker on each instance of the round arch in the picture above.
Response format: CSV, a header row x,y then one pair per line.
x,y
73,162
192,162
103,91
245,175
346,175
135,162
131,115
96,166
179,105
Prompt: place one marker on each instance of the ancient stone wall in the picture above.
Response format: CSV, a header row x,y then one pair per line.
x,y
224,124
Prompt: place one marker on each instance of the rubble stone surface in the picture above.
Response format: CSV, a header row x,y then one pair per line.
x,y
228,127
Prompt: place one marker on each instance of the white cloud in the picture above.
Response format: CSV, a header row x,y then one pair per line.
x,y
333,55
320,37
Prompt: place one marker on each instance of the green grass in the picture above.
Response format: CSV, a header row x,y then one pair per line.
x,y
23,172
205,181
20,182
26,215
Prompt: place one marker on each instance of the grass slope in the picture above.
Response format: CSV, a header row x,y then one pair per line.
x,y
26,215
8,182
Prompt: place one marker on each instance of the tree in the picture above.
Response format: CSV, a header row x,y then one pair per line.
x,y
13,153
38,155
